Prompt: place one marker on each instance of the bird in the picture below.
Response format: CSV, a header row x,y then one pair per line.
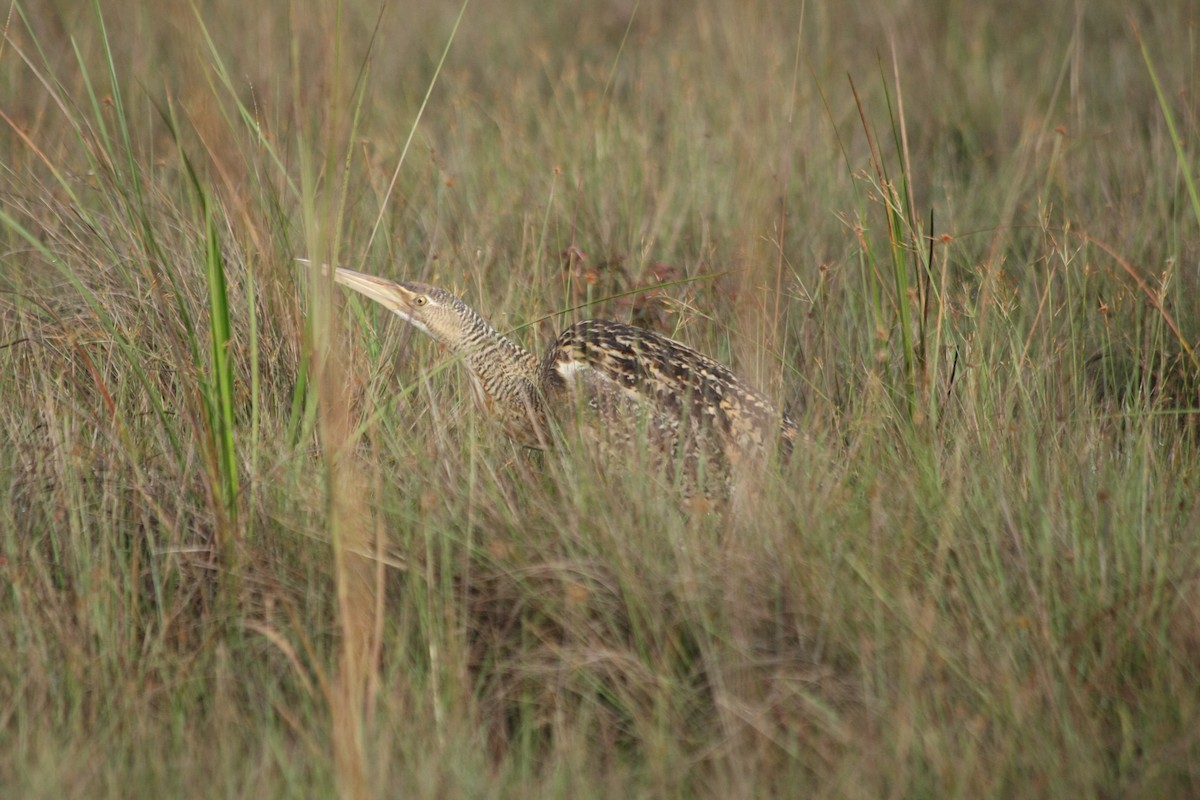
x,y
620,383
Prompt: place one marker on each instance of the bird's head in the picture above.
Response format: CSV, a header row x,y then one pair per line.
x,y
433,311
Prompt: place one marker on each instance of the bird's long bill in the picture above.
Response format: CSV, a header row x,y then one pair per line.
x,y
387,293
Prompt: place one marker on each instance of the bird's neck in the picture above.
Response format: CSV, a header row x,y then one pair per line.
x,y
497,362
503,378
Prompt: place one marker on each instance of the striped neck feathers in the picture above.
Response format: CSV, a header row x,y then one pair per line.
x,y
502,372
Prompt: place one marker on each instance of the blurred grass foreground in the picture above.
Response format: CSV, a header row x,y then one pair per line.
x,y
256,541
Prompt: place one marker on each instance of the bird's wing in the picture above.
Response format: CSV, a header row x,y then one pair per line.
x,y
609,366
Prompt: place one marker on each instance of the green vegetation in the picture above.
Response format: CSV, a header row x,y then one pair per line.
x,y
255,540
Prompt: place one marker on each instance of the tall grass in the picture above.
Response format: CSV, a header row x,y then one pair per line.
x,y
254,538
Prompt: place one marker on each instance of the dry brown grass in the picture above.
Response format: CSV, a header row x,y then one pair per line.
x,y
308,567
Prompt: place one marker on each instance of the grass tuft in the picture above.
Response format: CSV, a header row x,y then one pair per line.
x,y
256,540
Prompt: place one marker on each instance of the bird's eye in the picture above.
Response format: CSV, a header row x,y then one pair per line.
x,y
421,300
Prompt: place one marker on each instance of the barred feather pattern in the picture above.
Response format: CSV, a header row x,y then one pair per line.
x,y
695,406
622,385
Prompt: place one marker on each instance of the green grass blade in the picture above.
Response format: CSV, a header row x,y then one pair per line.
x,y
1181,155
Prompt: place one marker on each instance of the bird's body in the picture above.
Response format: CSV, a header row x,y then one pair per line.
x,y
624,383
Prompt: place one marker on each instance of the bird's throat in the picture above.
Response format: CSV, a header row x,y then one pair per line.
x,y
503,378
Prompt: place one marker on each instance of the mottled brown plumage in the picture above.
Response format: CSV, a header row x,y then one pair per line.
x,y
625,384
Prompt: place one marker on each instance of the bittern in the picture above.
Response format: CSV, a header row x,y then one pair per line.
x,y
627,383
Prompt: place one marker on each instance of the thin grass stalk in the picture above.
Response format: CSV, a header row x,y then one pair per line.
x,y
1181,155
902,240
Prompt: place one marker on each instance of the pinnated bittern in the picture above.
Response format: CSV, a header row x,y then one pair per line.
x,y
613,376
